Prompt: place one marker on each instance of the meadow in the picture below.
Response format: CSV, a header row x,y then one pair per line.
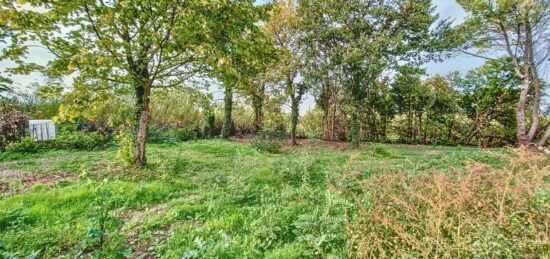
x,y
225,199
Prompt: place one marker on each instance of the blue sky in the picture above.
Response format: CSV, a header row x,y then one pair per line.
x,y
446,8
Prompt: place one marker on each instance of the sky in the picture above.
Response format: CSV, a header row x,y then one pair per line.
x,y
447,9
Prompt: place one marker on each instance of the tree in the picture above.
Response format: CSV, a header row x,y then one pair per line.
x,y
241,52
519,28
442,107
144,44
283,28
366,38
380,109
489,93
410,95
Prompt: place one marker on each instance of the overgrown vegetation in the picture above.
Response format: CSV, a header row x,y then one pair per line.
x,y
213,198
382,165
76,140
479,212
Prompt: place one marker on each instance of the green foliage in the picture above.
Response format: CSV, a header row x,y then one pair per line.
x,y
210,198
104,238
376,34
125,142
74,140
160,134
180,107
5,85
311,125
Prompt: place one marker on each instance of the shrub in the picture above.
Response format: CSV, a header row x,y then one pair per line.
x,y
161,134
268,141
174,167
481,213
104,238
77,140
13,125
125,141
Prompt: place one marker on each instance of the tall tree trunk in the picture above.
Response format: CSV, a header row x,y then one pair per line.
x,y
532,68
523,138
536,107
295,112
333,118
544,139
257,103
426,126
419,126
143,92
410,119
354,126
228,109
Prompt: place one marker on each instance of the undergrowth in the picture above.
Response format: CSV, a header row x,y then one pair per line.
x,y
221,199
481,212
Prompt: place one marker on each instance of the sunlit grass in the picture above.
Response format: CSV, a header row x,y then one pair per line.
x,y
210,198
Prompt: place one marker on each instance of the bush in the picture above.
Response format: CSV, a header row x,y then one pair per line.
x,y
161,134
125,141
77,140
268,141
13,125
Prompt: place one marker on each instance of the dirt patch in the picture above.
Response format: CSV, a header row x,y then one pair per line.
x,y
134,240
304,142
16,181
435,153
135,215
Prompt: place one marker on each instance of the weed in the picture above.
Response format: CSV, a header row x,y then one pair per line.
x,y
483,212
103,238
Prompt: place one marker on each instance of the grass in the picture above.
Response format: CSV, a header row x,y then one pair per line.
x,y
211,198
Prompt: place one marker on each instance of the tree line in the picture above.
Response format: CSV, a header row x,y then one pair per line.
x,y
360,59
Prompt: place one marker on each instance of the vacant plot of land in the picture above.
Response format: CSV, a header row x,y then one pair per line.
x,y
224,199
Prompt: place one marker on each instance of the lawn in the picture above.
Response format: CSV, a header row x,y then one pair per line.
x,y
214,198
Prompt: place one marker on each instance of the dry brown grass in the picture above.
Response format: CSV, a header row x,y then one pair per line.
x,y
479,212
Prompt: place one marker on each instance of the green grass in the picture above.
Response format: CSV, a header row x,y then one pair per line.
x,y
203,198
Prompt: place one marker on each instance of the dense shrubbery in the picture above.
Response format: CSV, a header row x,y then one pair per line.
x,y
268,141
165,134
75,140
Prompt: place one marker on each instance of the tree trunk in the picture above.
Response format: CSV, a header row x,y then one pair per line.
x,y
228,108
426,127
354,127
536,107
410,119
333,119
473,133
142,93
257,103
523,138
544,139
295,112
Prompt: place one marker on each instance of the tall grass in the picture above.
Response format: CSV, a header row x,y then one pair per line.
x,y
482,212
